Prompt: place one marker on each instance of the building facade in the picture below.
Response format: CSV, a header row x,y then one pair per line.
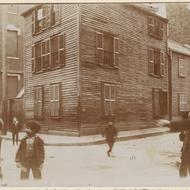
x,y
11,61
179,79
86,64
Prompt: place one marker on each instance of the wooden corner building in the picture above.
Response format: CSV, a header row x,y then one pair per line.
x,y
86,64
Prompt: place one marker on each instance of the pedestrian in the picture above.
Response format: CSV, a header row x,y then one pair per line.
x,y
110,133
184,169
30,154
16,126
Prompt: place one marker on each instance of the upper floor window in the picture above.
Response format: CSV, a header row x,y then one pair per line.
x,y
182,68
48,54
155,27
107,49
44,17
182,102
156,62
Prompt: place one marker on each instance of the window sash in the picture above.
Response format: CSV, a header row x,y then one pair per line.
x,y
162,64
181,67
99,48
116,51
182,102
55,99
109,99
55,14
38,101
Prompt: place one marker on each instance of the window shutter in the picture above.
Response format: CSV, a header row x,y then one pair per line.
x,y
162,63
161,30
33,22
33,58
51,100
151,61
61,50
99,48
150,25
55,14
116,51
46,16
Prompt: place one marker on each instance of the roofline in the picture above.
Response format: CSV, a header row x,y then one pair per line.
x,y
176,50
131,4
25,13
149,13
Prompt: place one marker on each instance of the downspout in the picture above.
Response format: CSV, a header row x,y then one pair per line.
x,y
78,70
170,82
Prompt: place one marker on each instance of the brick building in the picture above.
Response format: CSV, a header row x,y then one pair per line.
x,y
11,56
88,63
179,23
179,79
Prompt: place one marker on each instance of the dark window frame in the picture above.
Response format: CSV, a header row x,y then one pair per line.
x,y
107,56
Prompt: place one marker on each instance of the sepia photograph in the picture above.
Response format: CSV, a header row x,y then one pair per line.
x,y
95,94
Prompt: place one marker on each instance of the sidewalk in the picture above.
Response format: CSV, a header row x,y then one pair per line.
x,y
55,140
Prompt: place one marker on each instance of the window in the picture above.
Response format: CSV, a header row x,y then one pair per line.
x,y
55,95
160,105
182,102
39,20
38,101
55,19
48,54
12,48
109,99
38,61
181,67
45,17
107,49
156,62
155,28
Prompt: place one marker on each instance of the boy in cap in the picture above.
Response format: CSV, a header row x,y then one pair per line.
x,y
30,154
110,134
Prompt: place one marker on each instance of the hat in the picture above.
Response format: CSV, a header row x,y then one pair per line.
x,y
110,123
33,125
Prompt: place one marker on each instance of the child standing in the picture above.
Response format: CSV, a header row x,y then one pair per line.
x,y
30,154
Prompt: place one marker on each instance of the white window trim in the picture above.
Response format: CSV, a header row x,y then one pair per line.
x,y
14,75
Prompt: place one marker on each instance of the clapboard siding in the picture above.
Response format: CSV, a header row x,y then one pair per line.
x,y
134,85
67,75
179,84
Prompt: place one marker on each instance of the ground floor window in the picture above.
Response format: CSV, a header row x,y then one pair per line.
x,y
55,99
183,102
160,103
109,99
38,101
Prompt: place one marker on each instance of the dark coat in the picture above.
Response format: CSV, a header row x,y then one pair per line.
x,y
110,133
16,128
39,152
